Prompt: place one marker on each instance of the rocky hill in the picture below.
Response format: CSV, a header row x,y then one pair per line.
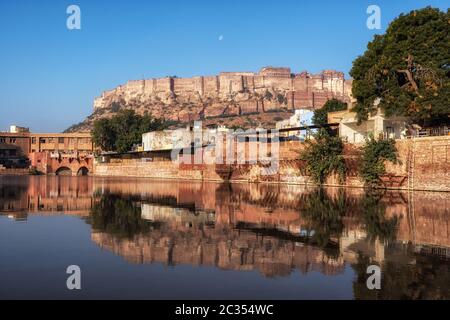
x,y
234,99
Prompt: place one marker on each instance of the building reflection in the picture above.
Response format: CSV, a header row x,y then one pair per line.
x,y
275,230
20,196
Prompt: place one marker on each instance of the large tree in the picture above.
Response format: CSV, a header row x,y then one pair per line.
x,y
407,68
123,130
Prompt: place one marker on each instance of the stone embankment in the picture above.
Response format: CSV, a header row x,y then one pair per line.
x,y
424,165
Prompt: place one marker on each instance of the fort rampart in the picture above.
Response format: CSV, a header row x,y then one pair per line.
x,y
300,90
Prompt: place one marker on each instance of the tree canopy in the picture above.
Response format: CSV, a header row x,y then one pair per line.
x,y
123,130
407,68
321,115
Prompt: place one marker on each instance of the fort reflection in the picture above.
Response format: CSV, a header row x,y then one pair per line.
x,y
272,229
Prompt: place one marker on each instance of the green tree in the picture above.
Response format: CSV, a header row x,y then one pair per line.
x,y
104,135
407,68
123,130
321,115
374,155
323,156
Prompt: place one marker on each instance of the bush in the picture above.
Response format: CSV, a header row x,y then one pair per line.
x,y
374,154
324,156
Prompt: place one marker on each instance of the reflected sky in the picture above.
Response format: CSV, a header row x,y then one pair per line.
x,y
147,239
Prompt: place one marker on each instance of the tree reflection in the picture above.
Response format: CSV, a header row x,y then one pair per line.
x,y
323,215
118,215
426,278
374,215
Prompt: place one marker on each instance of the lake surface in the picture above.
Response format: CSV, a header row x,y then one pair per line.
x,y
148,239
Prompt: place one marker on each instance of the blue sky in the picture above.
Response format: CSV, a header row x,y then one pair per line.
x,y
50,75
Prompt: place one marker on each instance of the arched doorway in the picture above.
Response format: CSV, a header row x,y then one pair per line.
x,y
63,171
83,171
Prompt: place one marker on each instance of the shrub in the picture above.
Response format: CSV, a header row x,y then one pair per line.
x,y
324,156
374,154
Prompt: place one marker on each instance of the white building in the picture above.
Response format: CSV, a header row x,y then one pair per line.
x,y
180,138
378,125
301,118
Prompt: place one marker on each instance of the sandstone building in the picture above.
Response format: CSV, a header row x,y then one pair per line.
x,y
47,152
246,99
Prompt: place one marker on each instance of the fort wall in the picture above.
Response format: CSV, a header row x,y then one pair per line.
x,y
304,89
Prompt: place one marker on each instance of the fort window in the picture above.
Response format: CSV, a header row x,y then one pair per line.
x,y
41,140
2,140
33,140
60,140
12,140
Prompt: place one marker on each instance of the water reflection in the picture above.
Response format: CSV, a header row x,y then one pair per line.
x,y
275,230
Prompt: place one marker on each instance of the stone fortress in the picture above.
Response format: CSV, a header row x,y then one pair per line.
x,y
276,91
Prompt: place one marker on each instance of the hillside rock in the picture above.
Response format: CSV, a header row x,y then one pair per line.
x,y
234,99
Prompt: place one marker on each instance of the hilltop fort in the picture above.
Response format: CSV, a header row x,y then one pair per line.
x,y
244,99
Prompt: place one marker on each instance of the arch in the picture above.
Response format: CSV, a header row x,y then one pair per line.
x,y
83,171
63,171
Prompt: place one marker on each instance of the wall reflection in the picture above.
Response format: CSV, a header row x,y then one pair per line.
x,y
272,229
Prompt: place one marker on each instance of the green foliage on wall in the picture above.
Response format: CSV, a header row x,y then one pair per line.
x,y
374,155
323,155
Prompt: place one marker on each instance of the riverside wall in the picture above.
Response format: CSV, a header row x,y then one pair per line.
x,y
424,165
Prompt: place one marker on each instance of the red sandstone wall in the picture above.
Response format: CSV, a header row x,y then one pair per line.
x,y
430,156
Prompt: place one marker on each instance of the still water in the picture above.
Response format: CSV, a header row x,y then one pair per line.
x,y
148,239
